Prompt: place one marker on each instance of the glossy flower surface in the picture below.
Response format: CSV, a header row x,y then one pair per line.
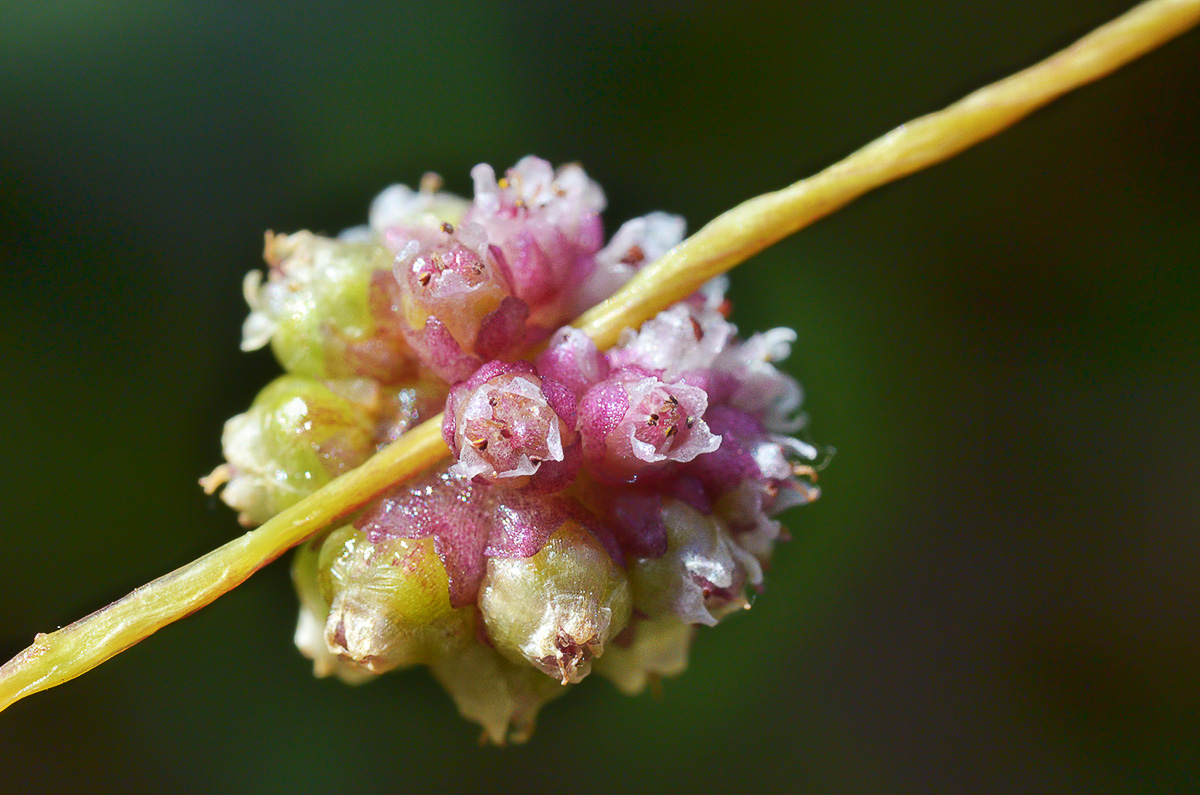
x,y
599,504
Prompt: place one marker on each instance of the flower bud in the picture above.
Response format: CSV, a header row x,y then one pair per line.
x,y
296,437
547,224
506,424
328,309
389,602
638,243
314,612
572,359
557,608
654,649
501,696
632,422
701,577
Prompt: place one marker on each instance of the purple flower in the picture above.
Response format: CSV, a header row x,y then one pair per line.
x,y
547,224
507,422
636,244
633,420
455,298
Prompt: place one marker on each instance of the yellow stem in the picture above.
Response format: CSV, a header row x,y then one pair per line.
x,y
723,243
81,646
750,227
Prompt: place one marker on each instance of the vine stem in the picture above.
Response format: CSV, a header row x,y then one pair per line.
x,y
728,240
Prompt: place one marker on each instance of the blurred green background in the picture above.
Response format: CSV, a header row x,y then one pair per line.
x,y
998,591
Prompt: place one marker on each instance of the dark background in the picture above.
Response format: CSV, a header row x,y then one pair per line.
x,y
998,591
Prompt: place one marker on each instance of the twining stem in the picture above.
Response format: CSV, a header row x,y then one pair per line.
x,y
726,241
755,224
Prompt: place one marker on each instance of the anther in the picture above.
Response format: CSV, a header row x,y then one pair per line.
x,y
804,471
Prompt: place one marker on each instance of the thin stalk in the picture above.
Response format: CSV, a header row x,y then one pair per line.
x,y
726,241
740,233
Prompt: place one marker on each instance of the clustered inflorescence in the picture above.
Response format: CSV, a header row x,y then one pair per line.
x,y
599,506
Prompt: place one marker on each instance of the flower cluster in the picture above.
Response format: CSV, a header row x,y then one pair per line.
x,y
600,504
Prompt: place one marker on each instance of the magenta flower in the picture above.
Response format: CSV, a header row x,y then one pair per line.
x,y
633,422
505,423
599,505
548,226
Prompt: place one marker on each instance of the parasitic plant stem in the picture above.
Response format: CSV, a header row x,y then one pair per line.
x,y
725,242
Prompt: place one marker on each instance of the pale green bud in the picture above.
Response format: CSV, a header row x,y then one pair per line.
x,y
296,437
501,696
389,602
314,612
326,308
703,574
557,608
659,648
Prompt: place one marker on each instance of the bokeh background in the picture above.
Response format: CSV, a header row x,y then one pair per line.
x,y
998,591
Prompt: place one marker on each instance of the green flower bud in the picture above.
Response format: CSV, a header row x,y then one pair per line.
x,y
314,612
389,602
557,608
296,437
499,695
327,309
703,574
658,648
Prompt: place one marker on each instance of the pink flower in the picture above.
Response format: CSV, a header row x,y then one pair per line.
x,y
506,423
548,226
633,421
455,299
636,244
